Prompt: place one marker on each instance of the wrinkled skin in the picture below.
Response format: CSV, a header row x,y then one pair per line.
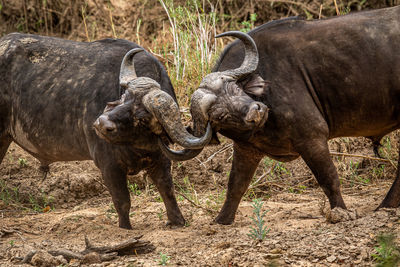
x,y
321,79
51,92
125,119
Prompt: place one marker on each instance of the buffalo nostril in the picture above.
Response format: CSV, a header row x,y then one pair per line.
x,y
105,124
256,113
110,128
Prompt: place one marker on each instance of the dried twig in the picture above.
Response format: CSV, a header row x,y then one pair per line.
x,y
263,175
28,257
132,246
216,153
195,204
362,156
304,6
5,231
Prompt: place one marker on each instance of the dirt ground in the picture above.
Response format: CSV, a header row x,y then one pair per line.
x,y
299,234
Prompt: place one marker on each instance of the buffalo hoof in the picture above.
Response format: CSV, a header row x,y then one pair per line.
x,y
222,221
340,215
175,224
390,203
125,225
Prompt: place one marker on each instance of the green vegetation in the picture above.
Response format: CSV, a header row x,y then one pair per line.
x,y
193,48
134,189
188,190
387,252
111,211
9,195
35,202
249,24
164,258
258,231
43,203
22,162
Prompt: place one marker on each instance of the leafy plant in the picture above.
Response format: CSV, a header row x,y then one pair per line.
x,y
353,168
134,188
387,252
160,214
164,258
249,24
22,162
379,171
42,203
9,195
259,231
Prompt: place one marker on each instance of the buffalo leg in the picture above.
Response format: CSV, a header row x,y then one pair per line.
x,y
115,180
161,176
376,144
245,162
316,155
392,199
5,142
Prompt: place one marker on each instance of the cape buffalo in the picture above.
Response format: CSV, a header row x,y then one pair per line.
x,y
298,84
52,90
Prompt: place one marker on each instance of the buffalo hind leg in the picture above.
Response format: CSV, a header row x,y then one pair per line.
x,y
5,142
316,155
392,199
376,144
160,174
115,180
245,162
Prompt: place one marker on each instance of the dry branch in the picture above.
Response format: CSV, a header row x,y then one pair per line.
x,y
131,246
362,156
5,231
195,204
219,151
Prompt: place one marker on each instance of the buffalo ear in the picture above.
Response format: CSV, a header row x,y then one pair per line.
x,y
254,85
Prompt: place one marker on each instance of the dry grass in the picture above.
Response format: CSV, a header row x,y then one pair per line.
x,y
181,33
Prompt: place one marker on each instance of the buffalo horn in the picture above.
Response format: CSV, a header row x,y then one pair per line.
x,y
250,61
180,155
127,71
166,111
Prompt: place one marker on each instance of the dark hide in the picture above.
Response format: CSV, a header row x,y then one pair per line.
x,y
323,79
51,92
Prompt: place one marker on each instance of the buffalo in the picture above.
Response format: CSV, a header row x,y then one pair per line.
x,y
52,95
291,85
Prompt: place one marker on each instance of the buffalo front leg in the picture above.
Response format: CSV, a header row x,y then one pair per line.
x,y
316,155
160,174
115,180
245,162
392,199
5,142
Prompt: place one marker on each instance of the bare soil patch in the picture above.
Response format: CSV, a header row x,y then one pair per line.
x,y
299,233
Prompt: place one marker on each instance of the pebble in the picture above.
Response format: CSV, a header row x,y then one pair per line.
x,y
331,259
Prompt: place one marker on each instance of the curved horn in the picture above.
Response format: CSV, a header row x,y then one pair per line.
x,y
250,61
165,109
200,104
180,155
127,71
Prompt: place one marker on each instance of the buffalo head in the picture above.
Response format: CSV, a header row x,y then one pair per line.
x,y
222,99
145,113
